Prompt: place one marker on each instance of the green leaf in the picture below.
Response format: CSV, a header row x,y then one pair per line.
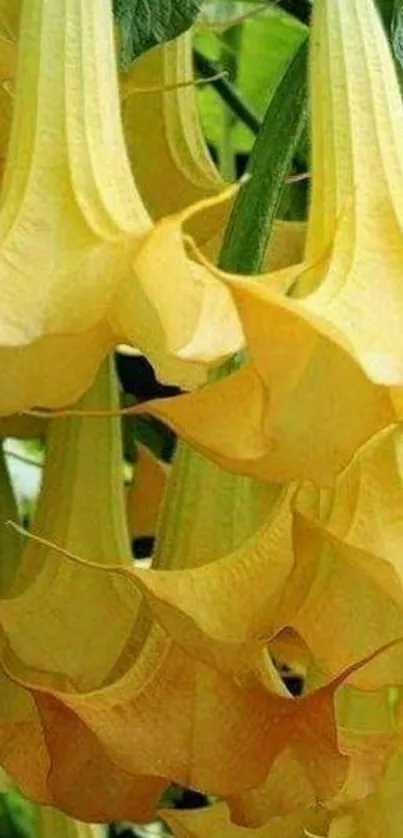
x,y
145,23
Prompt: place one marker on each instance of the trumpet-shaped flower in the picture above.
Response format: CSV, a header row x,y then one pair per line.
x,y
81,263
285,808
101,706
323,360
158,93
348,543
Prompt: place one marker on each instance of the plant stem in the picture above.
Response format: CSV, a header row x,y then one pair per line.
x,y
207,68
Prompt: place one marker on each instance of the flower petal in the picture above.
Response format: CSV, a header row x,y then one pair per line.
x,y
146,493
224,613
347,546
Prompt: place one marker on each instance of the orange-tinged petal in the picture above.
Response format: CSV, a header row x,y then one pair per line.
x,y
83,473
187,719
146,493
287,790
87,672
94,789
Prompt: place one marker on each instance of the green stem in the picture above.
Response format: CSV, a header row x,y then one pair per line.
x,y
228,93
83,476
257,203
230,49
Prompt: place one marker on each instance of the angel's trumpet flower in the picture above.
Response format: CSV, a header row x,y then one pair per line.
x,y
101,707
83,475
322,366
48,822
81,263
158,93
347,549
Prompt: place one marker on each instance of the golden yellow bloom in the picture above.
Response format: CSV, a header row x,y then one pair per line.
x,y
101,707
82,266
176,153
285,806
323,361
347,548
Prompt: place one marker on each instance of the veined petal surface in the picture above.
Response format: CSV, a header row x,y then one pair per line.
x,y
80,258
347,548
327,356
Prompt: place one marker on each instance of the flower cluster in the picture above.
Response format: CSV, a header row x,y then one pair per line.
x,y
279,538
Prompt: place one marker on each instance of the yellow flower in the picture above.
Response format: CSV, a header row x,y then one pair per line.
x,y
102,705
176,153
323,360
285,807
82,265
347,549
